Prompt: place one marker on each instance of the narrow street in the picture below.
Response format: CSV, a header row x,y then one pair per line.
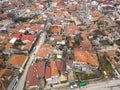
x,y
20,85
106,85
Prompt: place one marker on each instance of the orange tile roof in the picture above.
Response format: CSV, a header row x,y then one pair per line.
x,y
110,53
21,26
71,31
71,8
86,57
95,14
8,45
55,10
44,50
35,27
27,46
56,29
4,15
17,59
92,59
54,71
58,37
80,56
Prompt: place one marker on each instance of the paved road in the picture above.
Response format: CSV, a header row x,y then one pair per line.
x,y
106,85
21,82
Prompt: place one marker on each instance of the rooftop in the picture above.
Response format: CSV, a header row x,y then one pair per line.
x,y
17,59
28,37
55,29
36,70
44,50
86,57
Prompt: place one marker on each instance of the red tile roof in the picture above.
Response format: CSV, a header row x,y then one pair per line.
x,y
36,70
17,34
48,73
60,65
28,37
32,76
41,69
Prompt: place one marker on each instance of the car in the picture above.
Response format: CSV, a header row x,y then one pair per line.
x,y
73,85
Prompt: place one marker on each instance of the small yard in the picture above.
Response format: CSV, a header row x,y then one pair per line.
x,y
5,57
84,76
104,42
105,65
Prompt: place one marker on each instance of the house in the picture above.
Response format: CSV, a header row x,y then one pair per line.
x,y
17,34
27,46
44,51
18,61
35,71
54,72
31,38
61,65
96,15
56,29
72,8
6,76
110,53
48,75
83,57
35,28
28,40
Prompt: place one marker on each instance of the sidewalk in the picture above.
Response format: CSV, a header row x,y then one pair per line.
x,y
58,86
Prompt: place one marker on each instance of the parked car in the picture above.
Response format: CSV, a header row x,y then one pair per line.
x,y
73,85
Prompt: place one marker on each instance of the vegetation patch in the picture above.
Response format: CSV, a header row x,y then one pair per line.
x,y
104,42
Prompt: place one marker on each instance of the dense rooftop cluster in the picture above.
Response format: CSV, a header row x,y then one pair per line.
x,y
62,40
